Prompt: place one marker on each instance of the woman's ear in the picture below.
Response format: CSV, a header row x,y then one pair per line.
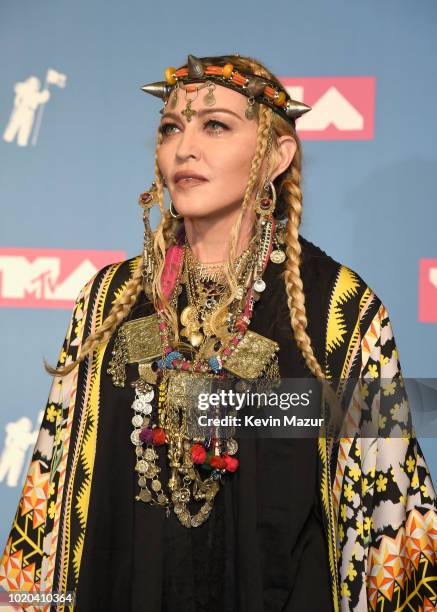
x,y
285,149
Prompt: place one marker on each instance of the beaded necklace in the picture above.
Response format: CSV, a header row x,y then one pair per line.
x,y
172,359
180,381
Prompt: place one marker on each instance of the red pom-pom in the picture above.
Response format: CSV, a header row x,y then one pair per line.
x,y
231,463
158,436
198,453
219,463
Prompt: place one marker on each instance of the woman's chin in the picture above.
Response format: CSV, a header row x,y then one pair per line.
x,y
195,212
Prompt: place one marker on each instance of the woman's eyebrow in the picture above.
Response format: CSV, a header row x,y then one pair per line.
x,y
203,112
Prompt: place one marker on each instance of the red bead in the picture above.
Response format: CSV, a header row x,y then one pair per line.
x,y
227,351
219,463
158,436
198,453
235,340
185,365
231,463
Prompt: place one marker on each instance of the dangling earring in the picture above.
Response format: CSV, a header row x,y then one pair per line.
x,y
146,201
265,206
172,208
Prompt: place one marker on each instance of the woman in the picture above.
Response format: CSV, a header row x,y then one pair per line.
x,y
126,503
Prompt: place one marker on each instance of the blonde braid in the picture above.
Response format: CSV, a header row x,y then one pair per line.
x,y
293,281
117,314
294,288
265,115
162,238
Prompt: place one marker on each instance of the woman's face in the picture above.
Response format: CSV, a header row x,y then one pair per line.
x,y
206,162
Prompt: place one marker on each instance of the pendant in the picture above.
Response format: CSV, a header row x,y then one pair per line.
x,y
188,112
146,373
277,256
209,98
232,446
137,420
174,100
250,111
259,285
196,338
239,294
140,405
187,315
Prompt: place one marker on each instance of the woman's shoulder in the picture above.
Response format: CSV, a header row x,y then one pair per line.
x,y
108,282
336,279
318,261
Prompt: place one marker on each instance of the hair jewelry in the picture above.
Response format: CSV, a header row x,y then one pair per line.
x,y
256,88
146,201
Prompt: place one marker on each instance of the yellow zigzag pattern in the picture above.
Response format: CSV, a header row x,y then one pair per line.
x,y
345,288
325,501
88,442
133,264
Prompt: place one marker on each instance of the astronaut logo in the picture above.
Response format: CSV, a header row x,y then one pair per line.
x,y
20,438
29,102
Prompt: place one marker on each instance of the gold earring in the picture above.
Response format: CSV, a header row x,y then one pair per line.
x,y
146,201
172,208
265,206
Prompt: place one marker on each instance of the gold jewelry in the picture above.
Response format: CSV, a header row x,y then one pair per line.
x,y
250,109
188,112
277,255
206,292
266,206
146,200
209,98
251,85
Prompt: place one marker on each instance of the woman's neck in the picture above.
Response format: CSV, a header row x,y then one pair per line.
x,y
208,238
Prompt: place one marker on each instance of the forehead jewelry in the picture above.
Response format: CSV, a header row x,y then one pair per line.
x,y
209,98
257,89
174,99
188,112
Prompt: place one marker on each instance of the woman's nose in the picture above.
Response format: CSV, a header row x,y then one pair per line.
x,y
188,145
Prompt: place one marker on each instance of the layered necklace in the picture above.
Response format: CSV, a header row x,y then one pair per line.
x,y
166,394
207,290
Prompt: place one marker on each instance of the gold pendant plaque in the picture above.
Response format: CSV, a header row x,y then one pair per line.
x,y
142,339
251,356
183,393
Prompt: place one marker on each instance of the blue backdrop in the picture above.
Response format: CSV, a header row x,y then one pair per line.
x,y
72,182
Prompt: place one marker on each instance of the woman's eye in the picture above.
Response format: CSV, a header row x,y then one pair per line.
x,y
168,128
216,126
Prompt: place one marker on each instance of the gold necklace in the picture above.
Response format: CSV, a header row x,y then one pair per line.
x,y
206,292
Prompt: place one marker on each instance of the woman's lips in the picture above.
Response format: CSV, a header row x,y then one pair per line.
x,y
188,182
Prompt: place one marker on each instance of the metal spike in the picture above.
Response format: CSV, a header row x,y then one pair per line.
x,y
160,89
195,67
255,86
295,109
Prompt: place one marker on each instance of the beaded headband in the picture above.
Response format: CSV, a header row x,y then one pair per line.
x,y
256,88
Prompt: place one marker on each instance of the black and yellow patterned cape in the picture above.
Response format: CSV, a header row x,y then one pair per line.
x,y
378,500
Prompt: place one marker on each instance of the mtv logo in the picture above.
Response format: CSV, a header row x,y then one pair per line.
x,y
428,291
48,278
341,107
